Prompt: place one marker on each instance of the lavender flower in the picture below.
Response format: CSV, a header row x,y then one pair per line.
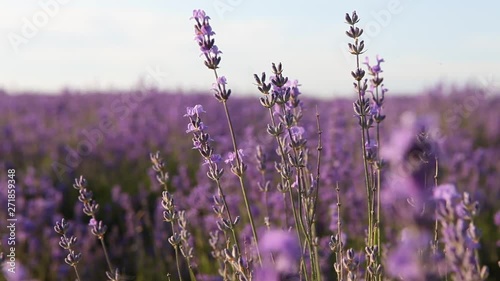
x,y
194,111
67,243
375,69
231,157
204,36
459,233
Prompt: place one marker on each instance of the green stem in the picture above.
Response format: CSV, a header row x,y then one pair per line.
x,y
365,162
106,255
223,197
239,163
294,212
318,163
339,233
176,250
76,272
192,276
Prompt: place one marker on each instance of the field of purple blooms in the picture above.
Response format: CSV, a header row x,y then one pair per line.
x,y
50,140
147,185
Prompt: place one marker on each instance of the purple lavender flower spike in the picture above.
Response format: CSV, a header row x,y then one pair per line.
x,y
204,36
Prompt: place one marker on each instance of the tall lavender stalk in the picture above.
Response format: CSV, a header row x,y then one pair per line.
x,y
202,143
179,239
377,91
369,112
281,98
90,208
204,37
362,111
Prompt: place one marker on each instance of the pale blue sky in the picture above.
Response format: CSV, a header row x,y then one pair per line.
x,y
99,44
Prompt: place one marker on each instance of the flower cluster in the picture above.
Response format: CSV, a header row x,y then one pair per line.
x,y
67,243
204,36
459,233
201,139
370,142
377,89
90,207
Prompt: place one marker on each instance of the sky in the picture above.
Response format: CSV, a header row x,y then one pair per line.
x,y
49,45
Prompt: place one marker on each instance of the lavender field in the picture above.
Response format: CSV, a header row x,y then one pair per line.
x,y
50,140
279,185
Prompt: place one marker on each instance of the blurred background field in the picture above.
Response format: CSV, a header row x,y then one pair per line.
x,y
107,137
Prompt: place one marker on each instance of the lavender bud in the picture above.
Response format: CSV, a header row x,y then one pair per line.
x,y
90,208
353,19
73,258
99,230
113,276
336,266
170,215
80,183
358,74
175,240
485,272
275,130
61,227
236,220
67,243
85,195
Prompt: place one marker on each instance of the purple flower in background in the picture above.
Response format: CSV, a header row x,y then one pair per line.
x,y
374,69
497,223
446,192
192,111
410,154
497,218
375,108
405,261
267,274
283,247
293,84
232,156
